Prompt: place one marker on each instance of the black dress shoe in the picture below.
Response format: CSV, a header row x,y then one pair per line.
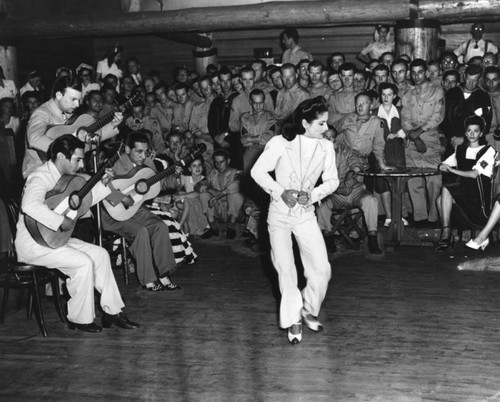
x,y
373,247
92,327
120,320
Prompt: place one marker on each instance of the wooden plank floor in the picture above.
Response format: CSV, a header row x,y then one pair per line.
x,y
409,328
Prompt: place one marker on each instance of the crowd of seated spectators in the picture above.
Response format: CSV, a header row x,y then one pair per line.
x,y
393,112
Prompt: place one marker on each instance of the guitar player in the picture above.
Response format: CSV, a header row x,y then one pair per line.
x,y
66,96
88,266
147,233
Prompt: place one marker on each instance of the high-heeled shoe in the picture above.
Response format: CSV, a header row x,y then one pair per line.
x,y
295,333
445,244
476,246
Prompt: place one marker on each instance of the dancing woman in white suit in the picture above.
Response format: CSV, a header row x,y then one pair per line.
x,y
298,158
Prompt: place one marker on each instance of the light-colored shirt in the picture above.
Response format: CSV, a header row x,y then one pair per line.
x,y
241,104
469,46
363,137
287,101
376,49
324,90
295,55
340,104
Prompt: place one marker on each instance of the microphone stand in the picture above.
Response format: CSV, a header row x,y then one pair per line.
x,y
95,148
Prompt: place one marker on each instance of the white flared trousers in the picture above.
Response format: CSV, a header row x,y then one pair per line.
x,y
314,257
88,266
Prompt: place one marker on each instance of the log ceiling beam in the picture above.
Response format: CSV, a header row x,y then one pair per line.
x,y
449,11
266,15
188,38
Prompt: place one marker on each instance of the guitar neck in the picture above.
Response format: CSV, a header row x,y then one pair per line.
x,y
171,170
100,123
97,176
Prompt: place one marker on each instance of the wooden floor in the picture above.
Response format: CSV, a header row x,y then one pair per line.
x,y
409,328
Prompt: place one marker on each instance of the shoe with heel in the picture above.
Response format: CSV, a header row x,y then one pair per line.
x,y
476,246
295,333
445,243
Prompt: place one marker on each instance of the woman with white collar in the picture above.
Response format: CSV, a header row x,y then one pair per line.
x,y
298,158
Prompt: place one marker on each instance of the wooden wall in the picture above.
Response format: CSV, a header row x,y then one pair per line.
x,y
235,47
47,55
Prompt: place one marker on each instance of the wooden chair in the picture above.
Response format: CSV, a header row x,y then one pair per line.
x,y
17,275
347,219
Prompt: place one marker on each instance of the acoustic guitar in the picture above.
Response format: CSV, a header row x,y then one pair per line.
x,y
141,183
87,123
70,197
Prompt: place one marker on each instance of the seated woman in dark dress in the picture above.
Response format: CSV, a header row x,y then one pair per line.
x,y
474,164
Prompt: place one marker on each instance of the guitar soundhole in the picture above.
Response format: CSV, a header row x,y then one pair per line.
x,y
74,201
141,187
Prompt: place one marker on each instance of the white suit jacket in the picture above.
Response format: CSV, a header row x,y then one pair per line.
x,y
297,164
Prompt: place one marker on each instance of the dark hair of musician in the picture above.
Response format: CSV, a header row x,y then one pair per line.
x,y
136,136
65,144
308,110
64,82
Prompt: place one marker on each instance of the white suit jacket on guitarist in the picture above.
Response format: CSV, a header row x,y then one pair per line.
x,y
298,165
39,183
46,116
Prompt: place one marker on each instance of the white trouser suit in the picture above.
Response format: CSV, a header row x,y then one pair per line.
x,y
297,164
88,266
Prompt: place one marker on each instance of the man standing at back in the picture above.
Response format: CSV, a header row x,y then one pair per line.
x,y
293,52
476,46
